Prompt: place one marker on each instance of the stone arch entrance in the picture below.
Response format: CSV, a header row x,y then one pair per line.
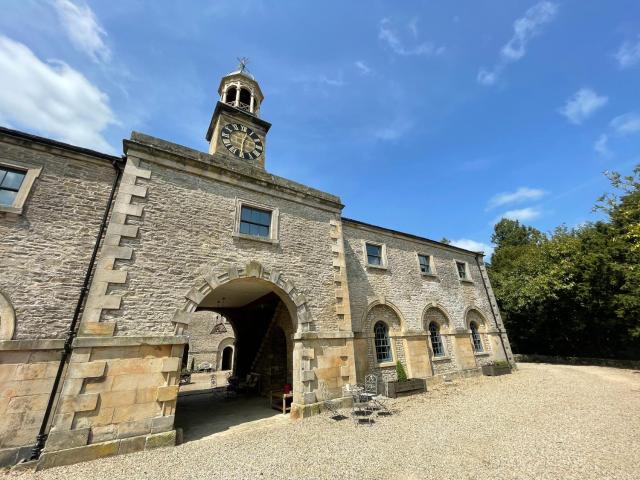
x,y
265,311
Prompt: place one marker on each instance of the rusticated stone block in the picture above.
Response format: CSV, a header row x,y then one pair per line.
x,y
158,440
87,370
162,424
61,439
166,394
135,428
79,454
78,403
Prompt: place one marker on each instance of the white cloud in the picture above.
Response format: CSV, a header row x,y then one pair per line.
x,y
584,103
83,29
628,54
602,146
627,124
524,29
52,98
474,246
386,34
363,67
522,194
522,214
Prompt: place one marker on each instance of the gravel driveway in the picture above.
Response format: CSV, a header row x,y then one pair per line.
x,y
543,422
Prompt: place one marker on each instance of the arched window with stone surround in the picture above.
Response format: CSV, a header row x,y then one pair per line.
x,y
382,342
475,337
436,340
245,99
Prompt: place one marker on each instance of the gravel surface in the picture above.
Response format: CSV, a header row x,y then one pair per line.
x,y
543,422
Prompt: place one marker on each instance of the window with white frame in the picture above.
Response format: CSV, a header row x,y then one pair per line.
x,y
10,182
374,254
382,342
463,273
436,340
15,185
255,221
425,261
475,338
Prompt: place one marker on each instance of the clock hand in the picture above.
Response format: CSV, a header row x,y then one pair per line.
x,y
242,144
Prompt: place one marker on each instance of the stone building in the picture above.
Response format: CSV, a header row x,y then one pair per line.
x,y
109,266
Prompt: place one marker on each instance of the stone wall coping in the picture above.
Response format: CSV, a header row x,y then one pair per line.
x,y
321,335
226,168
33,344
124,341
406,236
36,142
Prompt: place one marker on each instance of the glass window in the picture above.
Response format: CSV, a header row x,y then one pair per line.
x,y
462,270
475,337
254,221
382,342
436,340
425,264
374,254
10,181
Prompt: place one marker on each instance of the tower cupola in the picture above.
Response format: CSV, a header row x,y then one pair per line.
x,y
240,90
236,130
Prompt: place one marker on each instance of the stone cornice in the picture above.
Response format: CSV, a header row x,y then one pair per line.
x,y
226,170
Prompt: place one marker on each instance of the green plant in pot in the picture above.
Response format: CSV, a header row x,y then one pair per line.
x,y
401,374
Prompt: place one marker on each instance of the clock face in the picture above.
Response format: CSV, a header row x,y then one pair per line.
x,y
241,141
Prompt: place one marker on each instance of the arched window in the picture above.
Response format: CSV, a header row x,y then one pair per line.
x,y
475,337
231,94
436,340
245,97
382,342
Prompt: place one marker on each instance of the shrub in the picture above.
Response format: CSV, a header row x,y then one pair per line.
x,y
400,372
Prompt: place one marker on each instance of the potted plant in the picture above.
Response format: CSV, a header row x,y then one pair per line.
x,y
500,367
404,385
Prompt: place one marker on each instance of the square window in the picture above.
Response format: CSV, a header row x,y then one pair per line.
x,y
462,270
10,183
425,264
374,254
255,221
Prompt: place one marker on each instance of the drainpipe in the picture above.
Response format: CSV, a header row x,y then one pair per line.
x,y
493,312
72,331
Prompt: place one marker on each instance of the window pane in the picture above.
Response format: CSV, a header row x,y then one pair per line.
x,y
7,197
372,260
245,214
462,271
382,343
13,180
374,250
425,267
245,228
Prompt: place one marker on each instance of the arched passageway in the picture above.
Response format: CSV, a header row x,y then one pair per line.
x,y
258,364
227,358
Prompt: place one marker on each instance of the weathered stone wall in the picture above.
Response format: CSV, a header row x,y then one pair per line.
x,y
116,390
27,372
206,333
186,228
401,285
45,251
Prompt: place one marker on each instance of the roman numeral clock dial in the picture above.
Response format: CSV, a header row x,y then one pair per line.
x,y
241,141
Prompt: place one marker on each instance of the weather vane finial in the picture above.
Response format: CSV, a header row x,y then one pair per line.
x,y
243,63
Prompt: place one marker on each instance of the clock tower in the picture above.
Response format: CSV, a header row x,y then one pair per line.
x,y
236,130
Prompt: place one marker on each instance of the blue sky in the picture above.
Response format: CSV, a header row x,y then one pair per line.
x,y
435,118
